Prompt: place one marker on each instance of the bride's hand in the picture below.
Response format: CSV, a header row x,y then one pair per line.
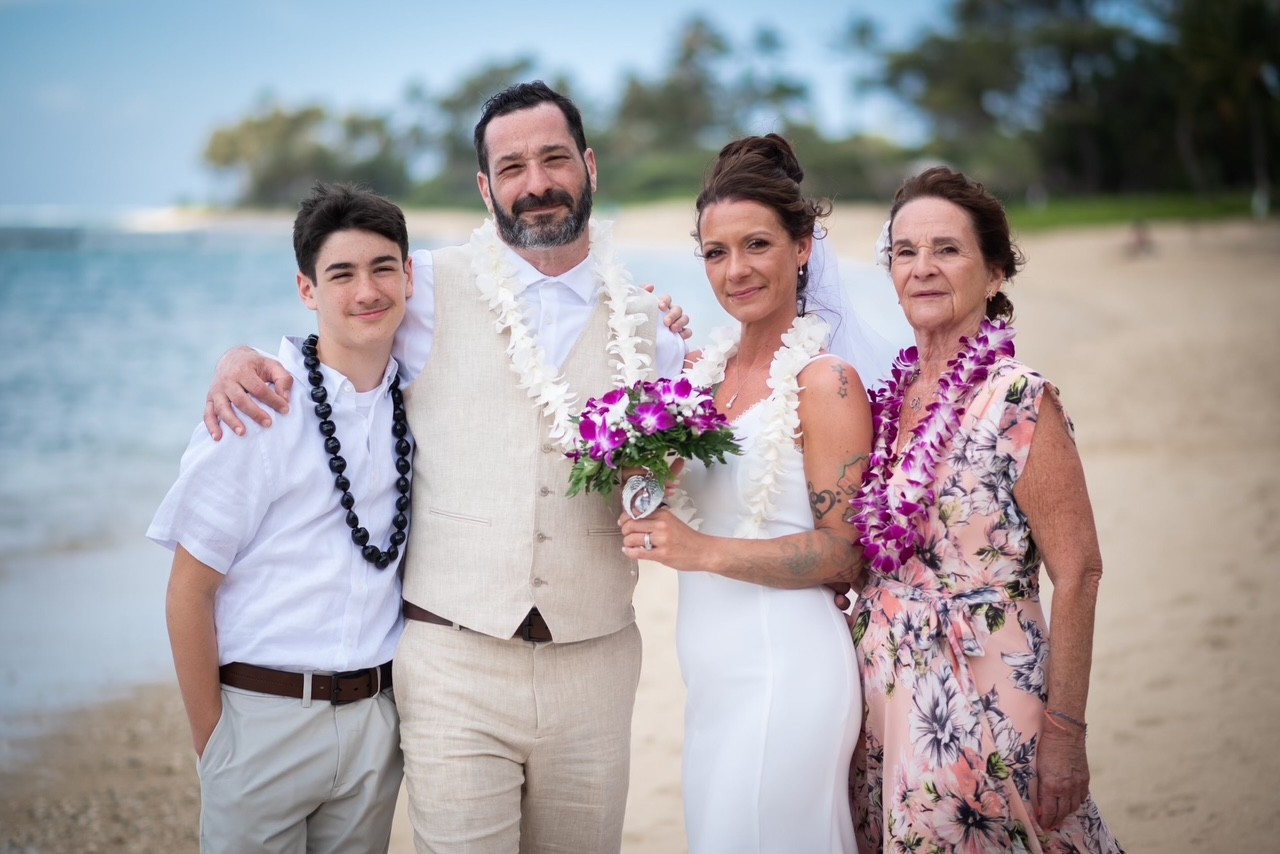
x,y
660,537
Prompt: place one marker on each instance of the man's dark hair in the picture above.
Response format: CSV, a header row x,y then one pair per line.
x,y
342,207
523,96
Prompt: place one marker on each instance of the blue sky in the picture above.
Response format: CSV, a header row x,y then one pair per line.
x,y
108,103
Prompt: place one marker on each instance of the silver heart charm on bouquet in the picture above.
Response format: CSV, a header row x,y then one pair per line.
x,y
641,495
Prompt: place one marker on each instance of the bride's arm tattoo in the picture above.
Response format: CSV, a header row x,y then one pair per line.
x,y
821,502
847,483
844,380
850,480
802,558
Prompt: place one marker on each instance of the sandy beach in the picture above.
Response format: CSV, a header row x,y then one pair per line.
x,y
1167,363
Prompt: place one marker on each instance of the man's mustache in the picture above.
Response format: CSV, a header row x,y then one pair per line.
x,y
551,197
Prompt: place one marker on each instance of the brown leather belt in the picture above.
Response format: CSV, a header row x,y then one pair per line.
x,y
338,688
533,628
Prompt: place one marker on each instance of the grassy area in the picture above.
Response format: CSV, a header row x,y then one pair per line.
x,y
1108,210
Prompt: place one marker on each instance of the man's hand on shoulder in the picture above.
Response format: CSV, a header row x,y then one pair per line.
x,y
242,379
672,315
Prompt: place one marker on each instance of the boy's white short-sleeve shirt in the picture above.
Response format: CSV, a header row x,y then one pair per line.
x,y
263,510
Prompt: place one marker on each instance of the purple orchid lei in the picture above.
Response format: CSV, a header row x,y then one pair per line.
x,y
639,425
886,517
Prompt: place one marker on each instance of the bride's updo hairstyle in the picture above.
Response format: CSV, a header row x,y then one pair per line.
x,y
764,169
985,213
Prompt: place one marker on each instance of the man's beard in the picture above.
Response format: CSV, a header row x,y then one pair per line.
x,y
519,234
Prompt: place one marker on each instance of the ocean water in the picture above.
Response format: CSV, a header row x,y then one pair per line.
x,y
104,349
107,344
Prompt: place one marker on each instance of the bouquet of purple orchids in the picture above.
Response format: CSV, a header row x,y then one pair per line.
x,y
646,425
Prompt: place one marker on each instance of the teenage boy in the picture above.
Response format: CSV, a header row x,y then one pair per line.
x,y
284,599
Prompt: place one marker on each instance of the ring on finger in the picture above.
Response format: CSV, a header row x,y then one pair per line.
x,y
648,542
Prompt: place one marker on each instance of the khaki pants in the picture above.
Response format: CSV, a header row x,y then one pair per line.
x,y
516,746
280,777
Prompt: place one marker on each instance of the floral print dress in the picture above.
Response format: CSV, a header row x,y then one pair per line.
x,y
952,650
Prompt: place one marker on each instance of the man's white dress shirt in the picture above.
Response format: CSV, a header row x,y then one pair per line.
x,y
556,310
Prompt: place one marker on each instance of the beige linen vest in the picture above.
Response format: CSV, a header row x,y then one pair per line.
x,y
493,533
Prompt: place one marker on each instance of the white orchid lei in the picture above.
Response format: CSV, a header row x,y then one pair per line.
x,y
800,344
887,517
496,278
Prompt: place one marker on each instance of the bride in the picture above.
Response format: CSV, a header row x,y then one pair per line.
x,y
774,704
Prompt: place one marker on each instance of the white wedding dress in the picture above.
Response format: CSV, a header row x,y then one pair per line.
x,y
774,702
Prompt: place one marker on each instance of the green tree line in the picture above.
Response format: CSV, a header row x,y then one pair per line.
x,y
1039,98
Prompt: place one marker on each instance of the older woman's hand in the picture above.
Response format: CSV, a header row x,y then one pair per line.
x,y
1062,775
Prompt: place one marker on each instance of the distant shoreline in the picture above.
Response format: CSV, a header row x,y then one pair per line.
x,y
853,227
658,224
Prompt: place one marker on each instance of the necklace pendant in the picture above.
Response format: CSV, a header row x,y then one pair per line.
x,y
729,403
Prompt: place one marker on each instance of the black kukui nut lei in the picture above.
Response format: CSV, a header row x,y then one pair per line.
x,y
337,465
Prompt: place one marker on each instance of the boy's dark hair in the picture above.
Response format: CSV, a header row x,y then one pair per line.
x,y
341,207
523,96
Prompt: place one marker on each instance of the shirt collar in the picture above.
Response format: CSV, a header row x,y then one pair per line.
x,y
581,279
291,357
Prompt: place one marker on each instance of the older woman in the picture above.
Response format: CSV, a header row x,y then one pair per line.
x,y
974,736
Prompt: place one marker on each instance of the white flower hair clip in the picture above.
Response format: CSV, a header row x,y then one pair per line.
x,y
883,258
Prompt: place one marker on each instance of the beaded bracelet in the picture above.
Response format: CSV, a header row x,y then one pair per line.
x,y
1053,714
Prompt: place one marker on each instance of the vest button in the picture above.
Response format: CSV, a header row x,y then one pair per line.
x,y
542,538
538,582
546,448
546,490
